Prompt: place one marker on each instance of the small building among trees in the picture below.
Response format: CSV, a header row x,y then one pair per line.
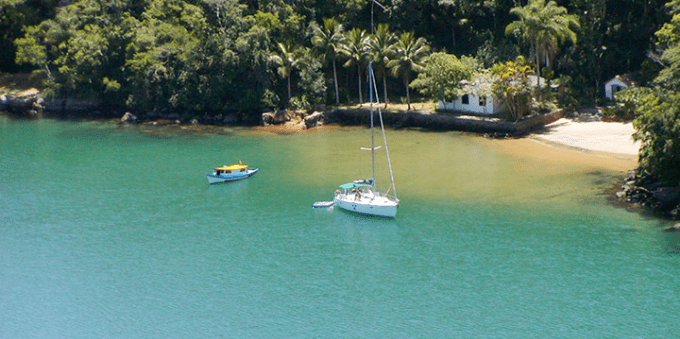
x,y
618,83
475,97
480,97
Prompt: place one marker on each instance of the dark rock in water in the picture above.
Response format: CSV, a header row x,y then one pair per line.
x,y
645,192
667,197
129,118
674,228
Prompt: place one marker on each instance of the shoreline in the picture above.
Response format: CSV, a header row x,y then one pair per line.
x,y
559,137
598,136
607,144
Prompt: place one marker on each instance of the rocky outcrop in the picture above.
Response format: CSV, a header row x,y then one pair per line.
x,y
267,119
315,119
674,228
443,121
129,118
31,103
275,118
297,119
638,192
3,102
282,116
28,103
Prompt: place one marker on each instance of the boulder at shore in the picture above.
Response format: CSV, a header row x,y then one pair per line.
x,y
674,228
129,118
314,119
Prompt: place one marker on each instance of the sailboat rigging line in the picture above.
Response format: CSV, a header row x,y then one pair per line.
x,y
374,89
370,85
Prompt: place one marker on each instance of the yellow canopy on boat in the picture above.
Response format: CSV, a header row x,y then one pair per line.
x,y
232,167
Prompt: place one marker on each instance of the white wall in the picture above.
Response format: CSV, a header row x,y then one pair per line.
x,y
612,86
492,105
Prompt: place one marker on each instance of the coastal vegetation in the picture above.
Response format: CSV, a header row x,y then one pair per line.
x,y
656,108
217,56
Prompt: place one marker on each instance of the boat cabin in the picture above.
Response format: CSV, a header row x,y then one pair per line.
x,y
231,169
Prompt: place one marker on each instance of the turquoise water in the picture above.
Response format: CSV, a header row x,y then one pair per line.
x,y
110,231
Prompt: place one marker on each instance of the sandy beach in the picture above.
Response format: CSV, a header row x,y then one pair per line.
x,y
605,145
610,137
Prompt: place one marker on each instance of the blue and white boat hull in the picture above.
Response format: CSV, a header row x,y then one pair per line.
x,y
218,179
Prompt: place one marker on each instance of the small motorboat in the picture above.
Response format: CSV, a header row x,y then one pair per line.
x,y
229,173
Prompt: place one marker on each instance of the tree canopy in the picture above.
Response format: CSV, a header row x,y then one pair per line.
x,y
212,56
658,121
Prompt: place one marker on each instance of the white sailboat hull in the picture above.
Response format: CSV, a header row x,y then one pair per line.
x,y
378,206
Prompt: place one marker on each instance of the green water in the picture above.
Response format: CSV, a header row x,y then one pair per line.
x,y
110,231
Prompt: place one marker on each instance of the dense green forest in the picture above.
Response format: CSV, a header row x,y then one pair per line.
x,y
217,56
224,55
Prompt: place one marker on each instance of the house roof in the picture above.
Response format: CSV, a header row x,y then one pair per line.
x,y
627,79
482,85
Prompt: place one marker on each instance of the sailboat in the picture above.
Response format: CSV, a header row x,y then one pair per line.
x,y
362,196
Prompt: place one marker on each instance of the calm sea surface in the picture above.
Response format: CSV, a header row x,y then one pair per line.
x,y
111,231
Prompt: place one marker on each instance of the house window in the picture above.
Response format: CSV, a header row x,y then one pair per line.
x,y
482,101
465,99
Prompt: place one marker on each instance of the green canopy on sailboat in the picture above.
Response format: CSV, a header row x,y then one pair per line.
x,y
351,185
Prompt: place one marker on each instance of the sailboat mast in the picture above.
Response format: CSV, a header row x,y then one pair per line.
x,y
370,86
374,90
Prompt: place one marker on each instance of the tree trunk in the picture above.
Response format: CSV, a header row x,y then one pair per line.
x,y
385,86
288,90
538,72
335,82
408,94
361,96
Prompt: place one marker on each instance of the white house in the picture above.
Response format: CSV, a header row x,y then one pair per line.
x,y
617,83
474,103
475,97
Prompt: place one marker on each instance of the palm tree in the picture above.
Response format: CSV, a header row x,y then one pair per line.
x,y
380,47
544,25
286,60
354,49
409,54
328,41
